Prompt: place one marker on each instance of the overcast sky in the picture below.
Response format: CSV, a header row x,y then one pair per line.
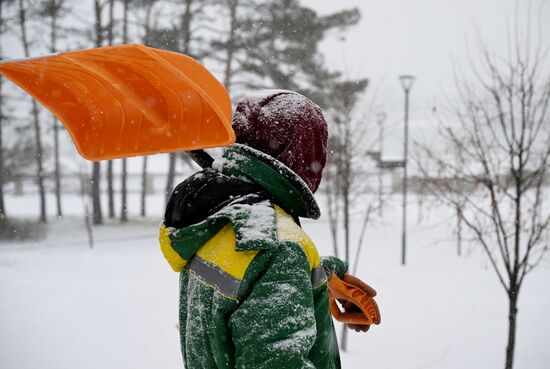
x,y
422,37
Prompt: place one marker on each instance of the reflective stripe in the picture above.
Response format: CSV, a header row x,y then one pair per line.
x,y
224,282
318,276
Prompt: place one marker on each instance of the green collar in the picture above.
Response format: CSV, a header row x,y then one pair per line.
x,y
253,220
287,189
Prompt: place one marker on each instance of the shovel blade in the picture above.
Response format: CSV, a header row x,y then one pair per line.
x,y
128,100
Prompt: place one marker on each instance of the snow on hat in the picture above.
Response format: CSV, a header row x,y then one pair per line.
x,y
286,126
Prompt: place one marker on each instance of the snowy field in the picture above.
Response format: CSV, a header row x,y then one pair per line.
x,y
63,305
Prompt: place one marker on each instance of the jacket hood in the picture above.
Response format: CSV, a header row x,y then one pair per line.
x,y
203,194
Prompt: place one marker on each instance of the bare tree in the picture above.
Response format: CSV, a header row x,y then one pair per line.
x,y
54,10
110,187
186,31
332,192
228,40
346,176
503,131
148,7
3,217
232,6
97,215
22,18
84,191
124,190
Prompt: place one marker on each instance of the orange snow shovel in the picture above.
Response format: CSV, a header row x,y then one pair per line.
x,y
365,310
128,100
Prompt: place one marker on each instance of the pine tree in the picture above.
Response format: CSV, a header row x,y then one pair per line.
x,y
277,46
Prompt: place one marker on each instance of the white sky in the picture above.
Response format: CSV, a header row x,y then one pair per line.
x,y
424,38
421,37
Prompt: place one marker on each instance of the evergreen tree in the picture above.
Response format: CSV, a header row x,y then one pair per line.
x,y
277,46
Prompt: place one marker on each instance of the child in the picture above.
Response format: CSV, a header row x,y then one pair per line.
x,y
253,289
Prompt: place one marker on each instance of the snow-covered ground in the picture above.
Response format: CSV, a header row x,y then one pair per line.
x,y
63,305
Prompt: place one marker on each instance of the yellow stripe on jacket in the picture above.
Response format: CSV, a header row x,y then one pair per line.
x,y
288,230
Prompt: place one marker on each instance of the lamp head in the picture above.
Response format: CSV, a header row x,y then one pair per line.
x,y
407,81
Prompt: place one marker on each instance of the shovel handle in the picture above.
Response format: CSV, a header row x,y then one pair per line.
x,y
368,314
201,157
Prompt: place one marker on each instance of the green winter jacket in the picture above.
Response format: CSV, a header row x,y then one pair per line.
x,y
253,289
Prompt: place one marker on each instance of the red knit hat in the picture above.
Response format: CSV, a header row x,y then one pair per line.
x,y
286,126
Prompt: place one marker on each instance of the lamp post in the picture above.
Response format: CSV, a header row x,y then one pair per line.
x,y
380,118
406,82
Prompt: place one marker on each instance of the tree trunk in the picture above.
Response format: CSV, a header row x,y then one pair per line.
x,y
40,169
346,188
35,117
57,168
512,321
124,178
96,170
345,197
110,29
514,286
96,199
186,39
232,5
344,338
459,231
84,196
3,218
143,186
332,204
57,171
124,192
110,189
170,179
186,26
346,218
98,7
2,207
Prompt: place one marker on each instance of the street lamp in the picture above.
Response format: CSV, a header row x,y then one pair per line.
x,y
406,82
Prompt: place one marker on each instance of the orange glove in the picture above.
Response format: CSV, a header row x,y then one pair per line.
x,y
351,307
